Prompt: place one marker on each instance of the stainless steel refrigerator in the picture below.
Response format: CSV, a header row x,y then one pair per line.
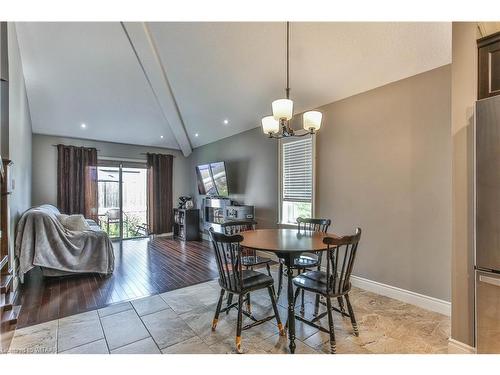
x,y
487,249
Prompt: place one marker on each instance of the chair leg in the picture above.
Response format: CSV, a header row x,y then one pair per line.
x,y
297,291
268,269
229,301
276,313
217,311
238,326
269,273
316,305
302,305
280,280
249,304
351,314
341,304
333,345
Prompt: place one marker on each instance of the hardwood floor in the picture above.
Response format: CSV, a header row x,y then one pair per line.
x,y
142,268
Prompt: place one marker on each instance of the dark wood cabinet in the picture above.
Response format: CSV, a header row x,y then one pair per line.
x,y
488,66
187,224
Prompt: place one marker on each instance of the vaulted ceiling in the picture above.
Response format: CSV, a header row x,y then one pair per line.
x,y
174,84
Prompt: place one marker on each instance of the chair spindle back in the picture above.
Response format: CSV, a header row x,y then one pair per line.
x,y
340,261
228,257
235,227
313,225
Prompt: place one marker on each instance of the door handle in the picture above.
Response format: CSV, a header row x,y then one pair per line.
x,y
489,280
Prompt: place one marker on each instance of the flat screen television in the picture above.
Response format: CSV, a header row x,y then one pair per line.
x,y
212,179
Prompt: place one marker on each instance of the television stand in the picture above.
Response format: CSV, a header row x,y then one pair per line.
x,y
219,210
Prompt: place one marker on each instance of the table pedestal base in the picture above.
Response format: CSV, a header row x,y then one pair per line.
x,y
291,304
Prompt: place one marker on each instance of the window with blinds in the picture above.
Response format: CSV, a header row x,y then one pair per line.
x,y
297,179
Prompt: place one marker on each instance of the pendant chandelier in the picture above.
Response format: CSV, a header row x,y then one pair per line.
x,y
278,125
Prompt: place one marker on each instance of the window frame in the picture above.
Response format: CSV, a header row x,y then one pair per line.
x,y
280,179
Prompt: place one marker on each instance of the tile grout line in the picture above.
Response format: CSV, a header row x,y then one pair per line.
x,y
140,318
179,316
133,342
114,312
103,331
78,346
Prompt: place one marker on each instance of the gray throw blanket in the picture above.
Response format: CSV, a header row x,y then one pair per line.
x,y
42,240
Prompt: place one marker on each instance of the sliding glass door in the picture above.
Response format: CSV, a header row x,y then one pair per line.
x,y
134,204
122,200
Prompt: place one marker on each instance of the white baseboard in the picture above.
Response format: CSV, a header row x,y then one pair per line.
x,y
420,300
457,347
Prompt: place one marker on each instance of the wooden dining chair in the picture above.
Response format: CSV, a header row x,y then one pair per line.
x,y
309,260
236,280
334,283
249,259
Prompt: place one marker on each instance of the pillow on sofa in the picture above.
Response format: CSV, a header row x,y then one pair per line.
x,y
61,217
74,222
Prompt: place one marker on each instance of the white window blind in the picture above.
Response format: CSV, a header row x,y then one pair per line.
x,y
297,170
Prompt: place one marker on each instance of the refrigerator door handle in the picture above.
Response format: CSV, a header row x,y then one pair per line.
x,y
489,280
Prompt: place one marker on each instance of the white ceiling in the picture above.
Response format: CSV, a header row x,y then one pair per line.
x,y
88,72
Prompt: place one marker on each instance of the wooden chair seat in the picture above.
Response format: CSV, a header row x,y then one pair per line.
x,y
252,280
307,260
316,282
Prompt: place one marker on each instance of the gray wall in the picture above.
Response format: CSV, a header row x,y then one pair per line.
x,y
19,134
45,164
251,163
384,164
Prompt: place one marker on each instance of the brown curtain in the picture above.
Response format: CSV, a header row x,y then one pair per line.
x,y
160,209
77,180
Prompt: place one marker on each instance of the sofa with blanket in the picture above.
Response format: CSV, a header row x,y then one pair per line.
x,y
61,244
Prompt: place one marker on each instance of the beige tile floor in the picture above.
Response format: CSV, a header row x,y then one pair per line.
x,y
180,322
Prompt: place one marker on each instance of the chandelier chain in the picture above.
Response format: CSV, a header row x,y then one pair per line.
x,y
287,90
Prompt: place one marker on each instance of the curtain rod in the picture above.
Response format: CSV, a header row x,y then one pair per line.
x,y
141,153
127,160
77,146
145,153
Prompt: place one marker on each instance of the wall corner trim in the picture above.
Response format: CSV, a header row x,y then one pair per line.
x,y
458,347
420,300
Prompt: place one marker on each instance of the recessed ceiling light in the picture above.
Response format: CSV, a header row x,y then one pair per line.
x,y
196,134
83,126
226,121
161,136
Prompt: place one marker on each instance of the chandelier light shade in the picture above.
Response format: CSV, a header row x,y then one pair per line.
x,y
312,121
270,125
282,109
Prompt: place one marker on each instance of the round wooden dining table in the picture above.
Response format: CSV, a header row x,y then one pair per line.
x,y
287,244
